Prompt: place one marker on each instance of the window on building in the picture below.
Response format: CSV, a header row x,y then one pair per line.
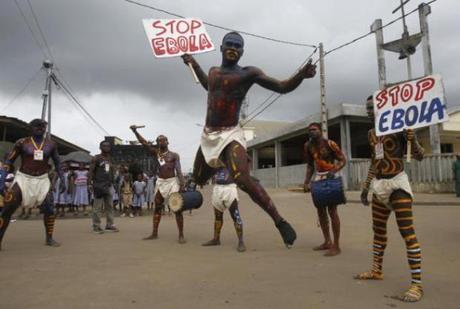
x,y
447,148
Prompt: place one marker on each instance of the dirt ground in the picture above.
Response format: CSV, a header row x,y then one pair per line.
x,y
119,270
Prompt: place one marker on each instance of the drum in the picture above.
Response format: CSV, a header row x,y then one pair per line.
x,y
327,192
185,200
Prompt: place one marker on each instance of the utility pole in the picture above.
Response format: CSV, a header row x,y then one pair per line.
x,y
423,11
244,109
48,66
406,46
322,81
405,36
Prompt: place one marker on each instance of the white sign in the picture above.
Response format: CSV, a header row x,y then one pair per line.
x,y
175,37
410,105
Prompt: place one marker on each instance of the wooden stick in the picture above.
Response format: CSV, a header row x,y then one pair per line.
x,y
193,73
409,150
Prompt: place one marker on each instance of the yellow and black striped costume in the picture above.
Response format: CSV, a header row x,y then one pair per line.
x,y
400,201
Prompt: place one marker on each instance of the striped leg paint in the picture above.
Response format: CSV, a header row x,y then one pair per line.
x,y
402,205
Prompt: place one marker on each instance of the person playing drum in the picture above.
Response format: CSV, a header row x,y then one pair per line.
x,y
225,195
324,156
170,180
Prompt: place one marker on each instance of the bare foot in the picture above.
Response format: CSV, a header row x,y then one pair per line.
x,y
152,236
333,252
241,247
212,242
369,275
182,240
324,246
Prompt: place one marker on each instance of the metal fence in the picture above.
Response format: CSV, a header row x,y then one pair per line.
x,y
432,174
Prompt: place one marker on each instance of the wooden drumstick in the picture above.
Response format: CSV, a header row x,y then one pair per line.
x,y
195,77
409,150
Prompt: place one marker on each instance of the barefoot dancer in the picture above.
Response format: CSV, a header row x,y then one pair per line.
x,y
32,186
222,141
392,192
325,156
225,195
170,180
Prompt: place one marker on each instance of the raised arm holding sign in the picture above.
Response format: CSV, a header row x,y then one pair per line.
x,y
391,191
222,141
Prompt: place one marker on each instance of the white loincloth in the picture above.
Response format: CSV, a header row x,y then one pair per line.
x,y
383,188
213,143
33,188
166,187
223,196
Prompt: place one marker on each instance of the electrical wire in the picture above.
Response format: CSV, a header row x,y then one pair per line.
x,y
21,91
222,27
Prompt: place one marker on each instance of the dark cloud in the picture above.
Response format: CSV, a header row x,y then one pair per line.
x,y
102,51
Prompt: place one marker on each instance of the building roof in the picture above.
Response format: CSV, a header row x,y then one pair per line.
x,y
77,156
20,129
334,112
264,127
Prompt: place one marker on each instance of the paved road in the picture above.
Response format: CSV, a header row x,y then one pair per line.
x,y
121,271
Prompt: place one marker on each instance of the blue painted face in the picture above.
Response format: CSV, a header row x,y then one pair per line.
x,y
232,47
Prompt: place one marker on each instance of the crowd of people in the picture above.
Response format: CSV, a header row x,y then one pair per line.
x,y
222,156
129,197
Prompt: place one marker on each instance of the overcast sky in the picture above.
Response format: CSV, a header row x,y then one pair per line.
x,y
101,50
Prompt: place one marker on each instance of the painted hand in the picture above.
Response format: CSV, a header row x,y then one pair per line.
x,y
364,199
409,134
308,70
188,59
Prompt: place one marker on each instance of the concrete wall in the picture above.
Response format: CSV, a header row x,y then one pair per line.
x,y
433,174
266,176
293,175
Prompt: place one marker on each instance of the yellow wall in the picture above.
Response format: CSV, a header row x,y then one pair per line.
x,y
449,131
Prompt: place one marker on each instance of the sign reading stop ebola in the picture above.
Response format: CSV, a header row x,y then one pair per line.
x,y
410,105
175,37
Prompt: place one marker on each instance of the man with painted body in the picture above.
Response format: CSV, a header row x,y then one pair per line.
x,y
392,192
222,141
326,157
32,186
170,180
225,195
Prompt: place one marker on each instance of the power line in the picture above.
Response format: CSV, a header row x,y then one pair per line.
x,y
80,111
29,81
30,28
263,109
331,51
274,93
74,99
261,104
222,27
40,31
371,32
65,85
